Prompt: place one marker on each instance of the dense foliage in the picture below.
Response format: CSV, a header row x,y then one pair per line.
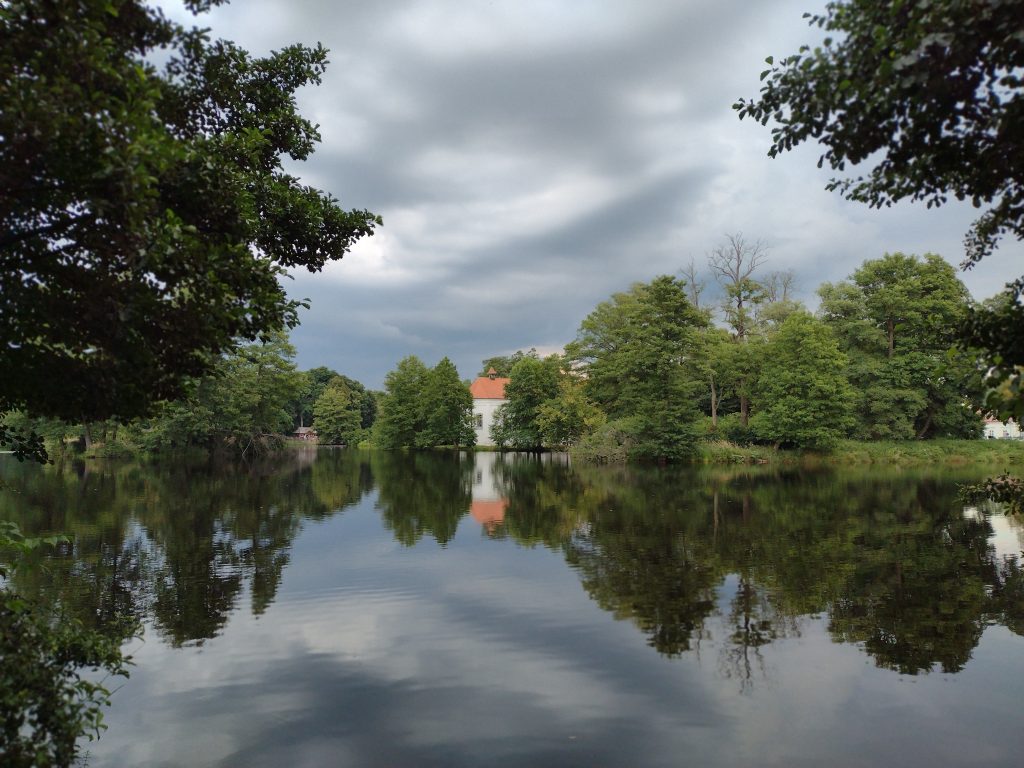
x,y
649,372
929,96
145,218
503,364
243,404
930,93
46,700
424,407
247,405
337,415
532,383
639,353
803,386
897,319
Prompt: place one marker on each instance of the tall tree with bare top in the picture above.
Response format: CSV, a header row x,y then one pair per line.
x,y
733,264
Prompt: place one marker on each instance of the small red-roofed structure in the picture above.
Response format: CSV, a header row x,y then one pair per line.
x,y
488,394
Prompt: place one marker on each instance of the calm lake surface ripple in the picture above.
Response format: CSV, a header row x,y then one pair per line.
x,y
344,608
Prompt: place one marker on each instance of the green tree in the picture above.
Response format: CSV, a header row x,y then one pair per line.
x,y
145,219
568,416
532,383
401,414
447,408
928,96
336,415
996,327
46,704
929,93
145,216
244,404
733,264
897,320
314,382
803,386
641,354
503,364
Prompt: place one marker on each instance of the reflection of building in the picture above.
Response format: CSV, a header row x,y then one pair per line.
x,y
487,507
999,430
488,393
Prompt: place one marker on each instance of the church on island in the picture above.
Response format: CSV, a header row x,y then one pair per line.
x,y
488,393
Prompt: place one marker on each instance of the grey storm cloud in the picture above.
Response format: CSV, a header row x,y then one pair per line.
x,y
531,157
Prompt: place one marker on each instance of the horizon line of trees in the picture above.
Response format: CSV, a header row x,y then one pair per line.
x,y
253,398
650,372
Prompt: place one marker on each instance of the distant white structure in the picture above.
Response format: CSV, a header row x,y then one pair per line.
x,y
488,394
488,505
1001,430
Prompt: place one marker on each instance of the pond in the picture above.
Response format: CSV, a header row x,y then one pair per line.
x,y
343,608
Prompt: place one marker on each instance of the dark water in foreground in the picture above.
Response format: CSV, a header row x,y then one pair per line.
x,y
347,609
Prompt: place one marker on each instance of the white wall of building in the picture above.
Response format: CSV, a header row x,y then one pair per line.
x,y
483,413
997,430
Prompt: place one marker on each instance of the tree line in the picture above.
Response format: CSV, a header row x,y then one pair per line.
x,y
654,370
252,399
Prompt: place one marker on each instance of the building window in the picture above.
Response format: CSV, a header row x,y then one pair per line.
x,y
479,421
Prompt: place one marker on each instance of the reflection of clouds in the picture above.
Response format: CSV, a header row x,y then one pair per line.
x,y
485,653
1014,526
375,673
1007,539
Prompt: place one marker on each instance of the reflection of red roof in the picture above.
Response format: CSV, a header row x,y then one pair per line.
x,y
489,513
488,389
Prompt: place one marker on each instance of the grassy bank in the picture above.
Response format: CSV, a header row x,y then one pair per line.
x,y
995,453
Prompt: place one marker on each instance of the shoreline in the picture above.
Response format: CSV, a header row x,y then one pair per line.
x,y
948,452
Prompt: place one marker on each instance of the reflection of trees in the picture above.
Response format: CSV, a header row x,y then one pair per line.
x,y
891,562
733,557
178,543
754,621
659,582
917,597
423,493
541,491
1007,606
638,555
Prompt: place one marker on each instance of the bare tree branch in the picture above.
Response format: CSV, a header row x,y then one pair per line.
x,y
694,286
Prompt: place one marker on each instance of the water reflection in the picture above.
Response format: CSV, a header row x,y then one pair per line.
x,y
176,544
737,559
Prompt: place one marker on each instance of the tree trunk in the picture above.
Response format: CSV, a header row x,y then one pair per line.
x,y
714,405
88,437
925,427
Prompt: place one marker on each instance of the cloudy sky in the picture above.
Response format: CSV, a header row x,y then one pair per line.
x,y
531,157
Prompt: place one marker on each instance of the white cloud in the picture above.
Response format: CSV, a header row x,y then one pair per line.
x,y
531,158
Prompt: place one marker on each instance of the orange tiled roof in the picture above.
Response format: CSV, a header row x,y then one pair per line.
x,y
485,388
489,513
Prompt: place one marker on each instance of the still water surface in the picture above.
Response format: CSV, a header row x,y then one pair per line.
x,y
339,608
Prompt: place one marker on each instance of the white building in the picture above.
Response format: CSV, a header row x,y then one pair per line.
x,y
488,393
999,430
